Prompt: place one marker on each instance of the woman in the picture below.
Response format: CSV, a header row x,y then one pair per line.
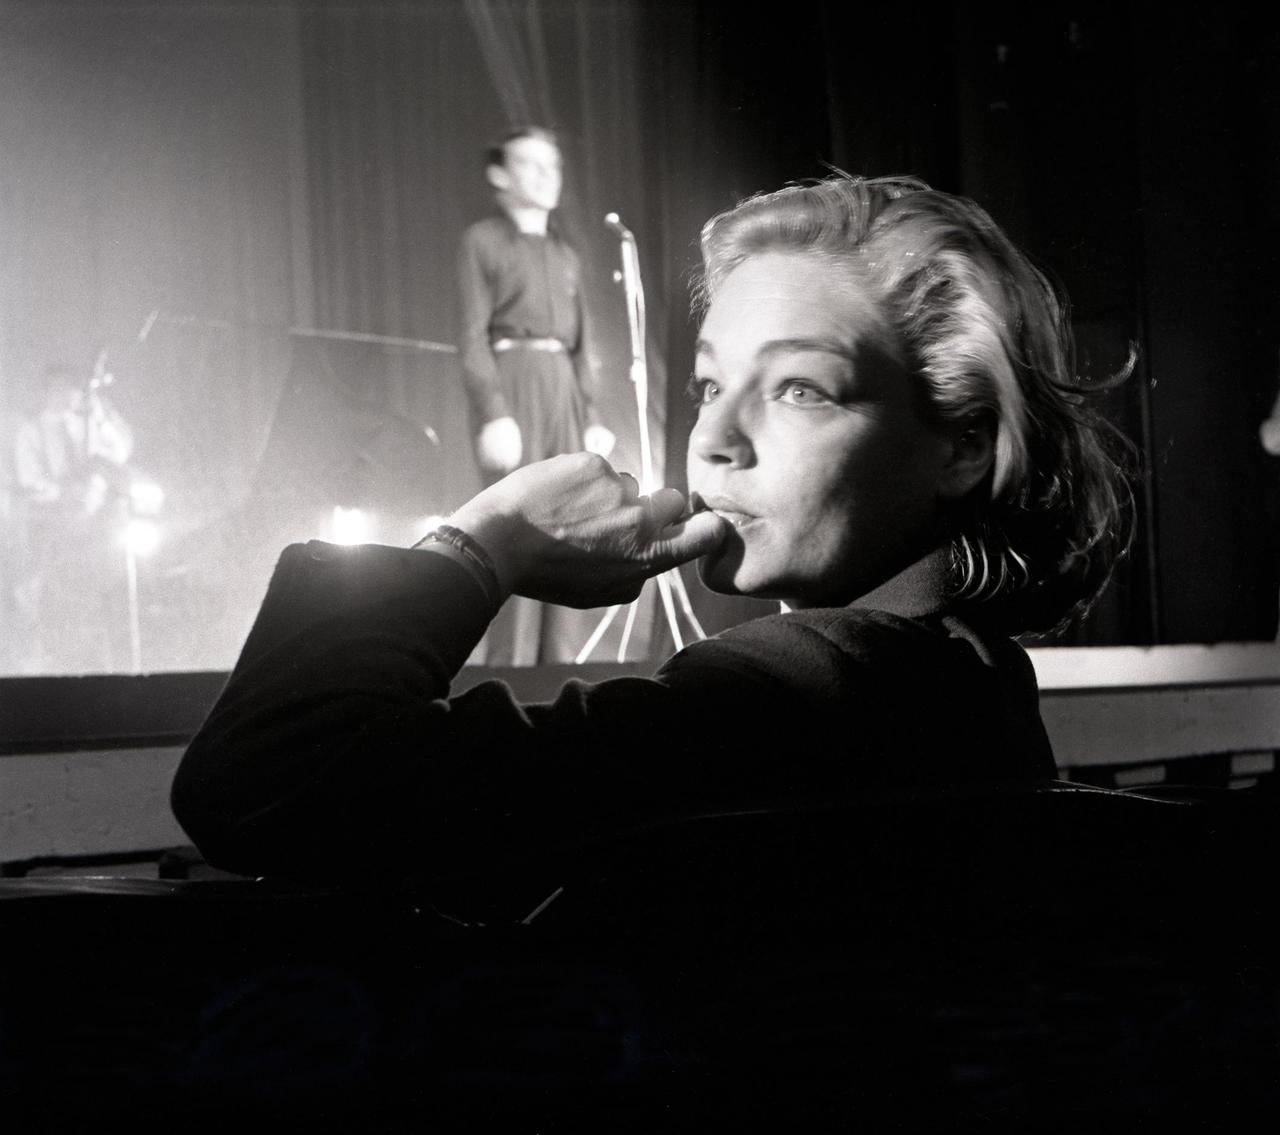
x,y
889,440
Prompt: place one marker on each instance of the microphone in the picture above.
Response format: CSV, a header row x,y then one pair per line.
x,y
613,221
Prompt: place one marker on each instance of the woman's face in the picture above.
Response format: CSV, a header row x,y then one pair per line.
x,y
809,439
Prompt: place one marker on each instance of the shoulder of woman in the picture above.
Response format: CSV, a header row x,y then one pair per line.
x,y
845,629
827,652
818,651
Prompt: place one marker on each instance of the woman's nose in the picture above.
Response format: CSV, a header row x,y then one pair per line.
x,y
719,436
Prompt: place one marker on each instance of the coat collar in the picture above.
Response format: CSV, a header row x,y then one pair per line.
x,y
918,590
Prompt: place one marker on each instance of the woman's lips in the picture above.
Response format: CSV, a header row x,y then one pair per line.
x,y
726,508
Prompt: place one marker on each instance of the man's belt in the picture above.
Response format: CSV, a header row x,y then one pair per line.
x,y
554,346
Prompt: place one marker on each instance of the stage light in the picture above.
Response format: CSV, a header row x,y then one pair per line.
x,y
146,497
141,537
351,526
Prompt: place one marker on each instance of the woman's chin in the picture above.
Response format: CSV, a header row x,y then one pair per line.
x,y
724,570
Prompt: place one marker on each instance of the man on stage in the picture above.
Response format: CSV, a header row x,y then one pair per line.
x,y
526,359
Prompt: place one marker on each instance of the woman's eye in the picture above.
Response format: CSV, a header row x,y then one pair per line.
x,y
702,390
801,394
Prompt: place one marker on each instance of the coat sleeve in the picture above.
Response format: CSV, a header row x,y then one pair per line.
x,y
476,304
335,749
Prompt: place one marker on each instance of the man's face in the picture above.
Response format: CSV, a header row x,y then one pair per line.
x,y
532,174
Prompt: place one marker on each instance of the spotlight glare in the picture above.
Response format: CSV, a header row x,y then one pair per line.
x,y
141,537
350,526
147,496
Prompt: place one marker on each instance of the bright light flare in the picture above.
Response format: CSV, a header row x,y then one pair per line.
x,y
140,537
146,496
351,526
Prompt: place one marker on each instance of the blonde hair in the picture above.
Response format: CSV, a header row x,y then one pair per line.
x,y
989,336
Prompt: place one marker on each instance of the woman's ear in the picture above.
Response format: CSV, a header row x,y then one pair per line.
x,y
973,452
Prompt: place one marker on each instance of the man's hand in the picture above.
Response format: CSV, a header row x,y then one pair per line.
x,y
573,531
1269,435
499,445
598,439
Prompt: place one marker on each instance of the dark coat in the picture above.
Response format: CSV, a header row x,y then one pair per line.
x,y
335,748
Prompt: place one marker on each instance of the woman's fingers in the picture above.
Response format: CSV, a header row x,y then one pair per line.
x,y
573,530
630,486
682,540
671,537
666,506
619,579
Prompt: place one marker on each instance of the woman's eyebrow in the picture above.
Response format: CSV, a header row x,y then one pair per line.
x,y
774,347
830,346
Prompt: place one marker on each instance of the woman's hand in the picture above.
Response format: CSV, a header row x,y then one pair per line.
x,y
573,531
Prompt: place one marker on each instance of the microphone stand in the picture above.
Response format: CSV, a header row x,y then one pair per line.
x,y
670,583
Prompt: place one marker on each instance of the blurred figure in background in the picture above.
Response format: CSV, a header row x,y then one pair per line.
x,y
69,460
526,358
66,453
